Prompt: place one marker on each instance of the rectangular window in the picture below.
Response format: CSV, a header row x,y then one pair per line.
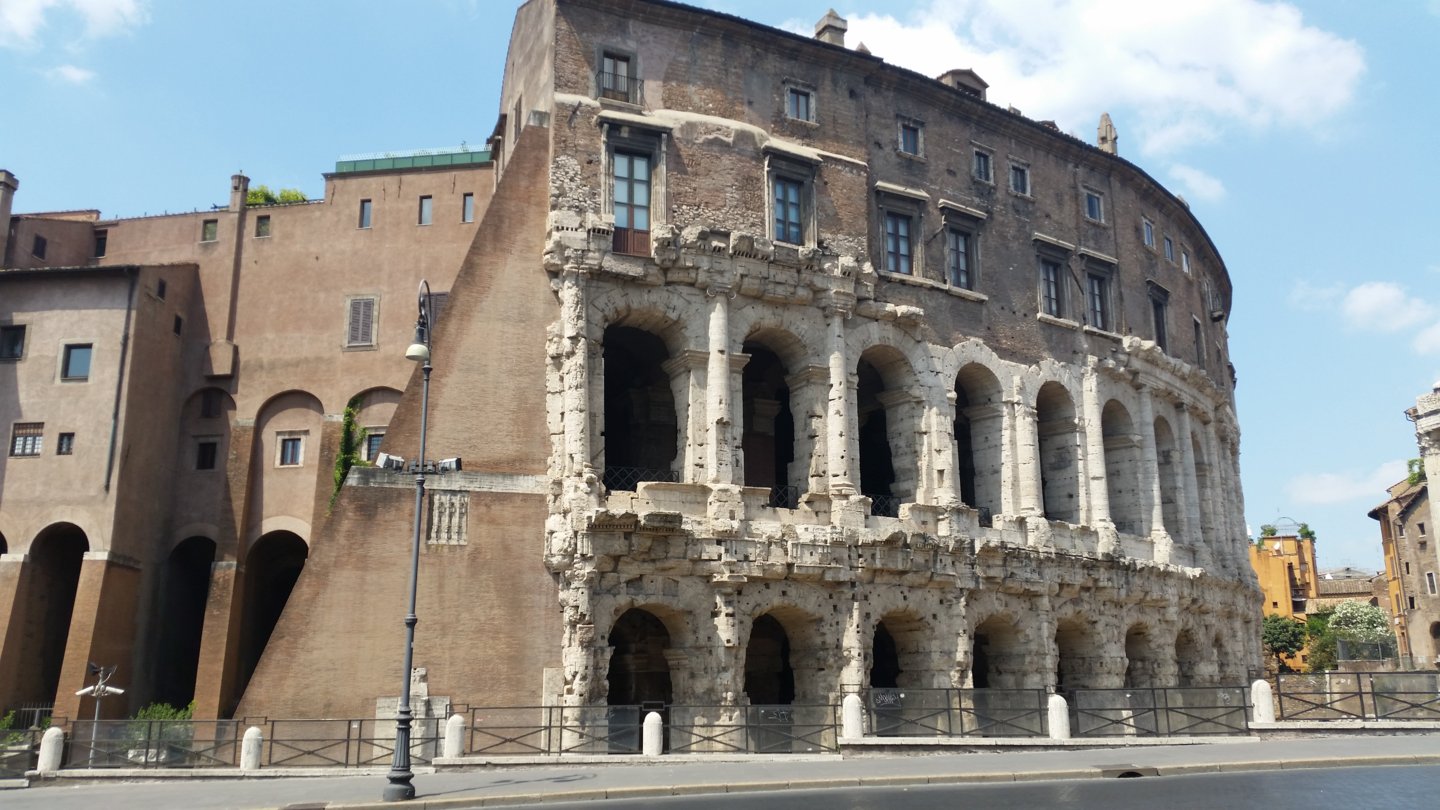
x,y
65,444
1020,180
1430,582
12,342
1421,528
76,364
205,453
360,322
38,247
209,230
957,259
910,142
789,210
1158,305
897,243
1052,290
632,203
1409,599
981,168
798,104
27,438
1094,206
1147,231
1199,343
291,451
427,210
1097,293
616,78
467,207
365,211
179,325
1407,569
102,240
1169,249
209,403
373,438
262,226
160,289
1185,261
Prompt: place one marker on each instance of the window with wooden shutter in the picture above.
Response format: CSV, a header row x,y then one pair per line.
x,y
360,330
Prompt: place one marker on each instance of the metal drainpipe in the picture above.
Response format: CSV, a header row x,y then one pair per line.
x,y
120,378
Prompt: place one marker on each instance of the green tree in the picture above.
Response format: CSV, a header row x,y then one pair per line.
x,y
1306,533
1282,637
1267,530
262,195
1416,469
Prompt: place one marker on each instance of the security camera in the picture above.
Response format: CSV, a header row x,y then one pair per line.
x,y
385,461
448,465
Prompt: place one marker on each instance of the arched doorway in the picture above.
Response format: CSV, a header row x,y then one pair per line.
x,y
181,613
52,580
884,659
639,672
768,439
271,569
769,677
994,654
640,422
1059,453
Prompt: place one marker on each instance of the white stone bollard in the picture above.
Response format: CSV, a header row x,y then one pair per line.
x,y
52,750
1262,702
652,735
1058,717
454,737
852,718
250,749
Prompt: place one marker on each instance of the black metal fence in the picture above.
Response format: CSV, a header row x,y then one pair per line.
x,y
882,505
153,744
1159,712
1358,696
18,749
957,712
344,743
788,729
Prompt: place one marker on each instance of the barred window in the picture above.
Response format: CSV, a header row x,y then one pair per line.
x,y
27,438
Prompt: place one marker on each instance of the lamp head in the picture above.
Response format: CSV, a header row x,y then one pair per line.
x,y
418,352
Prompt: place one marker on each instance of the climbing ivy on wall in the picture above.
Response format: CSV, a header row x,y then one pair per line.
x,y
352,438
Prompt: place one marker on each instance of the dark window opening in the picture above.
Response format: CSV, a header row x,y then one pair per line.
x,y
39,247
898,257
768,439
102,241
640,424
12,342
877,471
65,444
76,364
205,453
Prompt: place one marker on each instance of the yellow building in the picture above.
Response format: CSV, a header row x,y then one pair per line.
x,y
1285,566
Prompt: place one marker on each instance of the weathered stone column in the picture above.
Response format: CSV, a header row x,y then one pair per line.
x,y
1097,483
807,403
734,449
688,391
1189,487
719,456
1150,478
947,469
852,650
575,379
1027,457
838,410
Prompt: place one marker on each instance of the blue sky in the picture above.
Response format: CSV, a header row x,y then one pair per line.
x,y
1302,134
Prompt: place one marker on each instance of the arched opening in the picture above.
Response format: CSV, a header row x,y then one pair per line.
x,y
1168,459
768,439
884,660
1076,654
1059,453
1122,467
639,672
181,611
56,556
769,677
1189,660
271,570
4,547
1141,666
979,438
1202,488
885,417
640,422
994,655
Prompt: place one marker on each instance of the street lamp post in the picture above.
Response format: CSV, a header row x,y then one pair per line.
x,y
400,776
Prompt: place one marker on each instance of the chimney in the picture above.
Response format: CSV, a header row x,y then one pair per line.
x,y
239,191
831,29
1107,139
9,184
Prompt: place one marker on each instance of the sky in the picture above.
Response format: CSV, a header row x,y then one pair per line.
x,y
1302,134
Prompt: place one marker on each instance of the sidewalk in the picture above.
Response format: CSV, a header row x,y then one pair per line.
x,y
563,781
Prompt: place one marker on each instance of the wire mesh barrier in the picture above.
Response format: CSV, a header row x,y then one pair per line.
x,y
625,479
344,743
784,497
957,712
153,744
884,505
1358,696
1159,712
18,749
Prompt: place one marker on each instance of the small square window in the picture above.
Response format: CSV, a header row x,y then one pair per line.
x,y
65,444
38,247
1020,179
981,168
467,207
76,365
206,451
12,342
898,254
1094,206
373,438
365,212
1147,231
27,438
160,289
179,325
798,104
910,140
1169,249
427,210
210,230
102,240
209,403
291,451
262,226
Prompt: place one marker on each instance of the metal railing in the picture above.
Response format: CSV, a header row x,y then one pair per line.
x,y
884,505
1159,712
957,712
619,86
546,730
1358,696
153,744
784,729
785,497
18,749
30,715
344,743
625,479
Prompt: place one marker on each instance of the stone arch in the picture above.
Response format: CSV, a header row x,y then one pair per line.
x,y
670,315
288,454
1078,654
47,602
998,658
783,658
638,671
1060,448
640,418
1122,467
1144,663
1192,665
768,420
180,612
900,652
1203,487
206,419
1167,458
272,567
979,436
887,415
375,407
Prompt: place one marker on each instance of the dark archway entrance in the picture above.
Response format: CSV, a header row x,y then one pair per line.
x,y
271,570
769,678
994,647
1075,651
49,601
181,612
639,673
640,422
885,660
769,432
877,468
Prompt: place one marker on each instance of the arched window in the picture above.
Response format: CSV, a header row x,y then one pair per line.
x,y
640,424
979,438
1059,453
768,439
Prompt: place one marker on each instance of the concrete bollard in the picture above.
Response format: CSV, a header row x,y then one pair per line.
x,y
1058,717
52,750
250,749
1262,703
454,737
652,735
852,718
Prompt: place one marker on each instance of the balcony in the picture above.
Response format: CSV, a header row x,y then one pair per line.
x,y
619,87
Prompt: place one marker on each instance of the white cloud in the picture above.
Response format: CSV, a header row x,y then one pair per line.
x,y
1184,73
71,74
1342,487
1383,306
1315,297
1198,184
21,21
